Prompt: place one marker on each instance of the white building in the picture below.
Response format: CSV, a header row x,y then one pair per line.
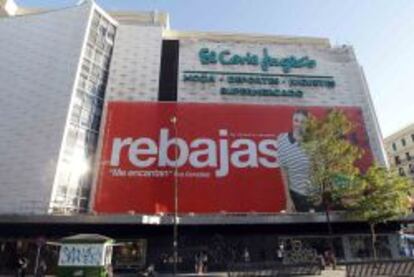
x,y
53,81
400,151
53,75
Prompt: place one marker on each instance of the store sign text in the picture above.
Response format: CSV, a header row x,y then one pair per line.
x,y
285,86
200,153
266,61
81,255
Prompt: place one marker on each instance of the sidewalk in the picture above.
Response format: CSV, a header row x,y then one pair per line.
x,y
340,272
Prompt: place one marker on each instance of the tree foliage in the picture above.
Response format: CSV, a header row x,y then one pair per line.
x,y
378,196
332,156
375,196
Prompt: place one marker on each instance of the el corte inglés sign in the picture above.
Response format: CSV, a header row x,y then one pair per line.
x,y
260,83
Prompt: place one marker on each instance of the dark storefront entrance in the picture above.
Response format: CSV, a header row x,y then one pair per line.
x,y
146,242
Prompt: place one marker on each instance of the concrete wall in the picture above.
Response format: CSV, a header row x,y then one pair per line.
x,y
135,67
338,62
39,57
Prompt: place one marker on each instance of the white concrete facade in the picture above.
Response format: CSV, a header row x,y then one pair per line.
x,y
52,73
40,55
135,67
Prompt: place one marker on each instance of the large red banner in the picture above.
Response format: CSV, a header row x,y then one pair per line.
x,y
220,157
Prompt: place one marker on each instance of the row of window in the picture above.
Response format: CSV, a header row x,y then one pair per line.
x,y
82,136
97,71
410,170
88,119
398,161
403,142
73,199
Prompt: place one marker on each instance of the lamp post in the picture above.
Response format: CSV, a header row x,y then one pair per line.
x,y
176,219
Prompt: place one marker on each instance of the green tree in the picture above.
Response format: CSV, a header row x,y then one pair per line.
x,y
380,195
332,159
376,196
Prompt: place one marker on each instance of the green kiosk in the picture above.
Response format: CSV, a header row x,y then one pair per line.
x,y
85,255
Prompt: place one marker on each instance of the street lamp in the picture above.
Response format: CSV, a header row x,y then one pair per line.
x,y
176,219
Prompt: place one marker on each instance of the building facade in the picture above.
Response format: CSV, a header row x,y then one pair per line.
x,y
54,77
400,151
159,137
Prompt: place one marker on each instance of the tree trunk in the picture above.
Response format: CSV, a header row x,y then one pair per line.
x,y
330,231
373,240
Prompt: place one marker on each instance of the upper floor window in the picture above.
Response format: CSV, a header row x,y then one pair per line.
x,y
397,160
408,156
412,137
403,142
394,146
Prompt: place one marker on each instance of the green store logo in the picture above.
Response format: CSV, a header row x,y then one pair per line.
x,y
226,57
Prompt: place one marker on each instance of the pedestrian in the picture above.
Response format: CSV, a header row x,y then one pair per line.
x,y
198,263
246,255
204,260
150,271
280,252
21,265
330,258
42,269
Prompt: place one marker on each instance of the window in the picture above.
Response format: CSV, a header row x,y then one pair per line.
x,y
85,119
403,142
101,91
92,138
100,44
93,37
89,51
110,38
102,31
104,77
412,137
96,70
107,49
61,191
95,20
97,111
407,156
401,171
99,57
411,168
71,137
360,247
105,63
76,113
95,122
82,81
397,160
86,66
394,146
81,138
88,102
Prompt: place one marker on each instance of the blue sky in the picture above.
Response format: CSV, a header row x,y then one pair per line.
x,y
381,31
